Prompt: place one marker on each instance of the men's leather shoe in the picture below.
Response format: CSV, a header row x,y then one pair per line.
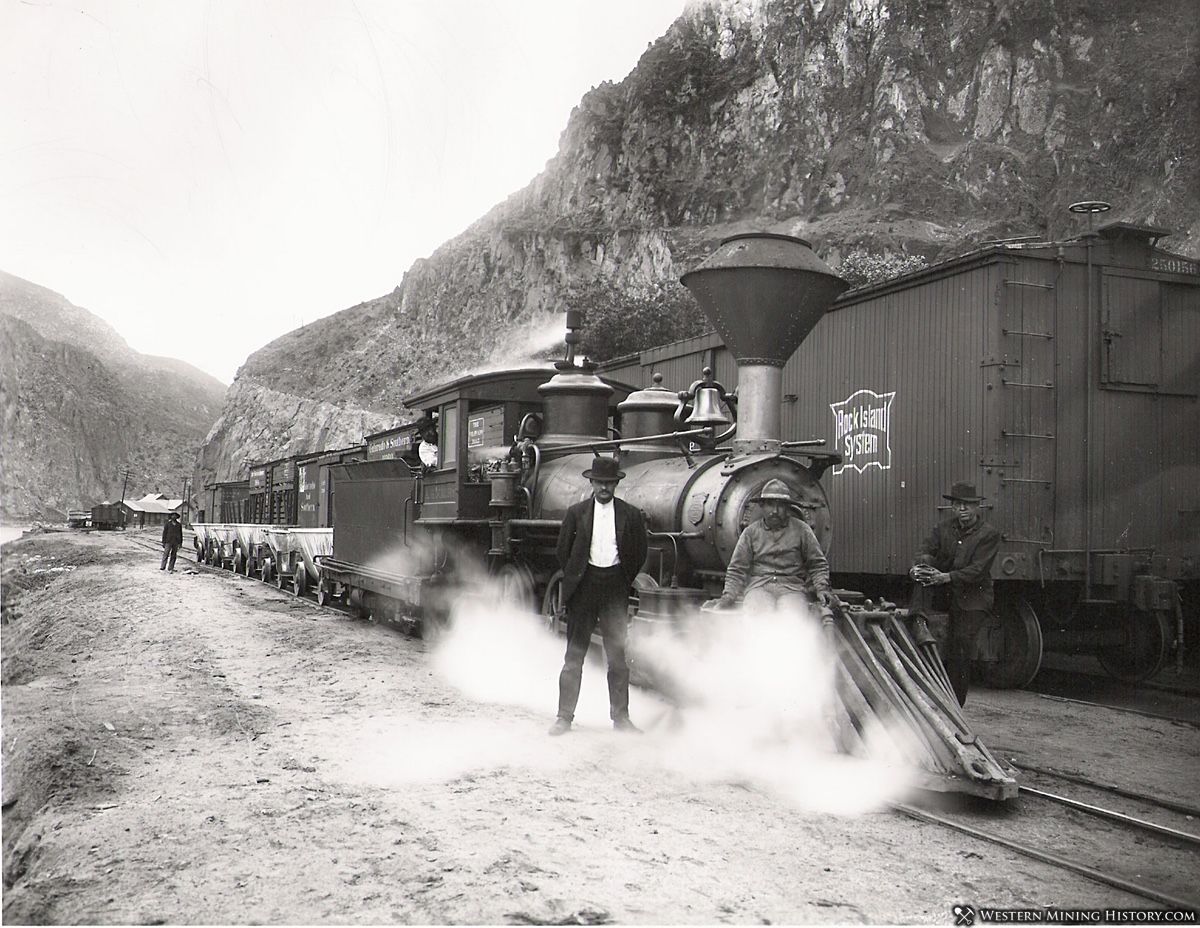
x,y
560,727
623,724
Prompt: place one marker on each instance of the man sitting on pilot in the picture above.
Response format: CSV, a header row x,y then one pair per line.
x,y
777,562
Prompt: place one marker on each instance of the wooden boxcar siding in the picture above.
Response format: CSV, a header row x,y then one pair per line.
x,y
925,345
1147,416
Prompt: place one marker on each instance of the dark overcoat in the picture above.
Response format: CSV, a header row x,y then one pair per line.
x,y
172,533
967,557
575,542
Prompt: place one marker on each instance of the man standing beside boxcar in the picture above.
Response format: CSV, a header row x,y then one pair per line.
x,y
172,539
959,553
601,547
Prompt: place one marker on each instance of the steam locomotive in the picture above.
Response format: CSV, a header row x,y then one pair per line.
x,y
501,458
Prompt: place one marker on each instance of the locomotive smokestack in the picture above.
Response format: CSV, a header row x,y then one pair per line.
x,y
763,293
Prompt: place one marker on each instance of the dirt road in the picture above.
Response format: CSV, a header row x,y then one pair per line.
x,y
200,748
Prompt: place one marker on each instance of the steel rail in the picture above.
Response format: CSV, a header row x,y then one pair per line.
x,y
1142,712
1170,804
1099,876
1113,816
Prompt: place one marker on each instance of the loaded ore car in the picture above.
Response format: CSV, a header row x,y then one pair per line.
x,y
1062,378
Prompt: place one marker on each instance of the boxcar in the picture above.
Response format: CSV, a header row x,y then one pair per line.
x,y
108,516
1062,378
225,501
314,485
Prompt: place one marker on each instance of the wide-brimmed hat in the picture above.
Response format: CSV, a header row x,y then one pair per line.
x,y
173,515
774,489
604,469
963,492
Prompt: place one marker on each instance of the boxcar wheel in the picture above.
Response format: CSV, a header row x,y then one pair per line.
x,y
554,612
239,562
1020,646
300,581
266,571
1148,637
280,577
323,594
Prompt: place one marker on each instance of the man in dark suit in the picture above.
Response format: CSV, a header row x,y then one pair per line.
x,y
959,553
601,547
172,538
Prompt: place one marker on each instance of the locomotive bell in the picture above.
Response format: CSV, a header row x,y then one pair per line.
x,y
706,410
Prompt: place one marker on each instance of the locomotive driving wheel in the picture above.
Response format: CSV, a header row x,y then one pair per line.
x,y
1016,640
515,580
1147,641
554,610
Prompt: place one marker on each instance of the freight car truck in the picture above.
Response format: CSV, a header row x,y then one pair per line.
x,y
1062,378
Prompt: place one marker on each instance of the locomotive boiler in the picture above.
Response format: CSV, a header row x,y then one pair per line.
x,y
511,447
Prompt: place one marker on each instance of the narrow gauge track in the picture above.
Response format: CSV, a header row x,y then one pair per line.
x,y
1110,847
1170,841
1195,723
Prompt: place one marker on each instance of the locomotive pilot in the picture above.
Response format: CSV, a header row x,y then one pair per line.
x,y
959,553
601,546
777,561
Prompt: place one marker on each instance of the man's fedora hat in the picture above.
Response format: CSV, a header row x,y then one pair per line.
x,y
774,489
604,469
963,492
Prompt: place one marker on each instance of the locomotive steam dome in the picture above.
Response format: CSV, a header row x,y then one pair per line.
x,y
650,412
763,293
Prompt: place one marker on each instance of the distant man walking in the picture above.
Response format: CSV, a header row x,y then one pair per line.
x,y
172,539
959,553
601,546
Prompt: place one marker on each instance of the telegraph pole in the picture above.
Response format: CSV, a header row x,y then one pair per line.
x,y
126,473
187,503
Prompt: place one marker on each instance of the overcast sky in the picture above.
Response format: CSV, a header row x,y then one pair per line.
x,y
206,176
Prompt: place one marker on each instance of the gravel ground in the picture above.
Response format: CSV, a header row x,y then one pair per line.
x,y
200,748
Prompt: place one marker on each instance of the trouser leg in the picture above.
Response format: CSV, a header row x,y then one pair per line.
x,y
166,551
581,621
758,600
614,628
964,629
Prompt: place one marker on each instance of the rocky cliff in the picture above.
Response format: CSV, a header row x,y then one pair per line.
x,y
891,126
80,406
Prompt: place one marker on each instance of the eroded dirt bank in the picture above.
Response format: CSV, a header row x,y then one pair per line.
x,y
199,748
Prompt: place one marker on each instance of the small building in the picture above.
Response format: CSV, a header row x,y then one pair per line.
x,y
151,509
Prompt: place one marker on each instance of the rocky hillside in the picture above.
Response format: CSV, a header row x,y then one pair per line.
x,y
891,126
79,406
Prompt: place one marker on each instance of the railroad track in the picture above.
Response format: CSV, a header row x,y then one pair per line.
x,y
1149,859
1170,850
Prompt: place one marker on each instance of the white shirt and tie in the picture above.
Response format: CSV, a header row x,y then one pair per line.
x,y
603,552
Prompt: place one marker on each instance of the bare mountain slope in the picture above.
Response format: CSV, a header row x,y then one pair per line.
x,y
79,406
908,126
